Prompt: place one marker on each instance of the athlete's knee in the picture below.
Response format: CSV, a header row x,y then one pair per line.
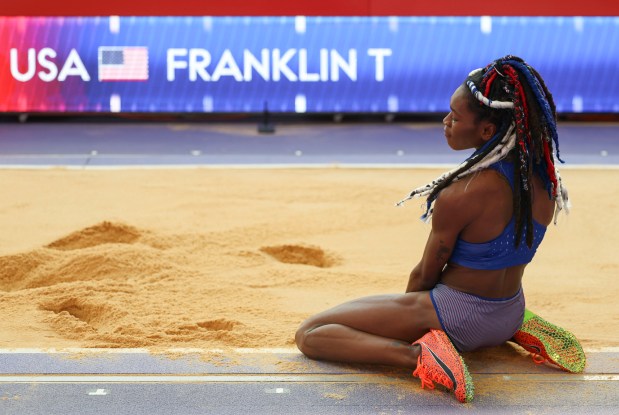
x,y
304,338
301,335
299,338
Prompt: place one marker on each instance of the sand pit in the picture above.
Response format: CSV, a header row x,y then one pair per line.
x,y
210,258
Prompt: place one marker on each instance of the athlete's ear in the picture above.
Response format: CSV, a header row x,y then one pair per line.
x,y
488,130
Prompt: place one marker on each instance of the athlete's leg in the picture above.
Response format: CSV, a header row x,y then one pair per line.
x,y
377,329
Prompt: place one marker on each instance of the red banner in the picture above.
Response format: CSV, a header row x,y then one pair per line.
x,y
311,8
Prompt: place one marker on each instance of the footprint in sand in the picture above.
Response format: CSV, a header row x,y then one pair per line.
x,y
218,328
16,270
114,254
97,316
220,324
299,254
102,233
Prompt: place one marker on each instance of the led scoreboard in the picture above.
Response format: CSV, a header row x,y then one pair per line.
x,y
292,64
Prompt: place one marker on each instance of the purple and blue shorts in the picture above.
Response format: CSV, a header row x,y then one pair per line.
x,y
472,321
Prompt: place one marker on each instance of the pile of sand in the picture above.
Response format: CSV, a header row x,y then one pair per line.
x,y
238,258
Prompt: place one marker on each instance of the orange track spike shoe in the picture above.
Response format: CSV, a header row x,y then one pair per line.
x,y
440,362
548,342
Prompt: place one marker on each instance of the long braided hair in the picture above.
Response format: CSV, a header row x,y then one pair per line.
x,y
513,96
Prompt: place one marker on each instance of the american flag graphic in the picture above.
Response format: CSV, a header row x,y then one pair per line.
x,y
123,63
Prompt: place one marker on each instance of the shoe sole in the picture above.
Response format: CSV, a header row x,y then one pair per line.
x,y
557,345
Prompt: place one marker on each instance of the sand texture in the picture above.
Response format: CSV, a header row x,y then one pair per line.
x,y
216,258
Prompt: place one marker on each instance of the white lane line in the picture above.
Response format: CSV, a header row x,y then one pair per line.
x,y
272,166
193,350
303,378
601,377
603,349
244,166
181,350
547,377
227,378
71,351
266,350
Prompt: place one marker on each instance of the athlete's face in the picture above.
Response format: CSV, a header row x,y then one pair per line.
x,y
462,130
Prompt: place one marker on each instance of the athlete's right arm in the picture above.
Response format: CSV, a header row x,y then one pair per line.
x,y
453,211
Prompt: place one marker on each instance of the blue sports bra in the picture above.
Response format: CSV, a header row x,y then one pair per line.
x,y
501,252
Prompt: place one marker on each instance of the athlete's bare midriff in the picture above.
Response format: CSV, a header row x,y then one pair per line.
x,y
501,283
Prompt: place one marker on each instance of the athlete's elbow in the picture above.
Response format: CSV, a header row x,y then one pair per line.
x,y
414,280
420,280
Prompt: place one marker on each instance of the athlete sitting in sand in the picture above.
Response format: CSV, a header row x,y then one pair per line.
x,y
488,217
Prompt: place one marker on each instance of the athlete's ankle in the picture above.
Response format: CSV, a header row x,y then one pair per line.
x,y
415,351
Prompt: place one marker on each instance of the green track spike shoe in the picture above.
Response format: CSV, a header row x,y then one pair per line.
x,y
551,343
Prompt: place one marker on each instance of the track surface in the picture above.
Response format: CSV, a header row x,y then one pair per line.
x,y
115,145
128,381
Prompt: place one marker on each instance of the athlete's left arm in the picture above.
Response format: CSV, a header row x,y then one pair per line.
x,y
453,211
